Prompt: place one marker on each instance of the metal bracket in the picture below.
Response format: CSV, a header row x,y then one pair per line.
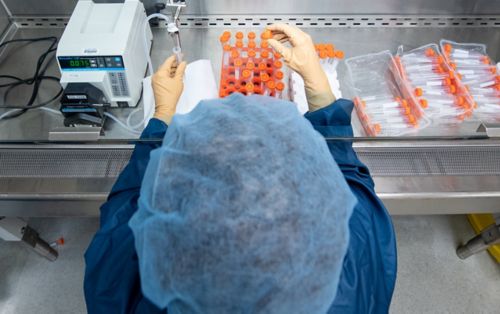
x,y
491,129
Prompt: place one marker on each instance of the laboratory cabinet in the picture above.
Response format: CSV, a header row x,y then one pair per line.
x,y
50,169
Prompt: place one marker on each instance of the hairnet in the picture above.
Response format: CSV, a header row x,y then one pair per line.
x,y
242,210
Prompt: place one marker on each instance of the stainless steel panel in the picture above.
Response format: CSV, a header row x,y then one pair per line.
x,y
65,7
74,180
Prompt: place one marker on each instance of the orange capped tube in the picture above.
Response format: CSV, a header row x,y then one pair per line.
x,y
239,35
251,35
250,65
264,54
269,88
252,44
250,88
264,77
246,74
262,66
280,87
278,64
239,43
266,35
226,53
264,44
279,75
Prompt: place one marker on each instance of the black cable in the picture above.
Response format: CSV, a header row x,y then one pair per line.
x,y
35,80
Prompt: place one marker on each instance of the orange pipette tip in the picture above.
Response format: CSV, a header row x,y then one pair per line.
x,y
278,64
453,89
264,77
448,47
250,65
238,62
460,100
459,75
271,85
262,66
429,52
264,44
320,46
339,54
280,86
239,44
447,81
234,53
251,35
252,53
377,128
252,44
264,54
330,47
485,60
279,75
424,103
246,73
440,59
323,54
404,103
418,92
266,34
451,74
226,47
239,35
453,65
331,54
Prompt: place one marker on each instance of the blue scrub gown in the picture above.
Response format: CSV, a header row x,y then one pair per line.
x,y
112,283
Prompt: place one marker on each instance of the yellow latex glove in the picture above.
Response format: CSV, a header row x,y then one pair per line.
x,y
303,59
167,87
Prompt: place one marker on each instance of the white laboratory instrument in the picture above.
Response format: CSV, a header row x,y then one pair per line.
x,y
102,57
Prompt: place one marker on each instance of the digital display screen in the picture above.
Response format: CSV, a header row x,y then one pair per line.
x,y
91,63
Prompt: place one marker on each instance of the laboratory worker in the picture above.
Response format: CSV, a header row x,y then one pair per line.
x,y
244,208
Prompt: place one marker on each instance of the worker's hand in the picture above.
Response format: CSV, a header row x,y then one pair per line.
x,y
167,86
303,59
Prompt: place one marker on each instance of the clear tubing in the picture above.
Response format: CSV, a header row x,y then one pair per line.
x,y
120,123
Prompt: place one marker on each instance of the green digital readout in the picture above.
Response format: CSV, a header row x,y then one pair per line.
x,y
83,63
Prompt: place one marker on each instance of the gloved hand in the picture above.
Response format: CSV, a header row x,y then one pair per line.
x,y
167,86
303,59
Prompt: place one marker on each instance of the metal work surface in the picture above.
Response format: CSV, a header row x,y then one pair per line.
x,y
412,177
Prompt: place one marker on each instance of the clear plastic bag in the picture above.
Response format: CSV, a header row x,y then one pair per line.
x,y
383,105
435,84
479,75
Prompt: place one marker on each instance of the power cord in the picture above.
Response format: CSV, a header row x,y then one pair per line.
x,y
35,80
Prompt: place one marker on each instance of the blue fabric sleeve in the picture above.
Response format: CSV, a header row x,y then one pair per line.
x,y
369,271
112,283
